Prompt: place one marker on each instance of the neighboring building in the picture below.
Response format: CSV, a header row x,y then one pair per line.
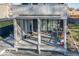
x,y
39,18
73,16
5,17
73,13
5,12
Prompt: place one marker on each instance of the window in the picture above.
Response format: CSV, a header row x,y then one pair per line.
x,y
25,3
44,25
51,25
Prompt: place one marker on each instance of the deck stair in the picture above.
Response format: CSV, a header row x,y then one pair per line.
x,y
73,42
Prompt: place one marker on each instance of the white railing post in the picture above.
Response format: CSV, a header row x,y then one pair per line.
x,y
65,35
39,35
15,34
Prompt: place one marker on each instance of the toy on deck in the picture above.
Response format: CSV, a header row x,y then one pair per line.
x,y
56,38
62,39
53,38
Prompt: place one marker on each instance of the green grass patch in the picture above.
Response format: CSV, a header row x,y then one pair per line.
x,y
75,33
6,23
74,26
1,38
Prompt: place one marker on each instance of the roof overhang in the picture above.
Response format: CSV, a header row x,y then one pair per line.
x,y
41,17
6,19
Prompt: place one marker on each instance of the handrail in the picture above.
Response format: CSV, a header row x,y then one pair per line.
x,y
73,41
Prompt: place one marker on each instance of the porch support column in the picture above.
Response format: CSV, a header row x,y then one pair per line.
x,y
15,34
65,31
32,24
25,26
39,35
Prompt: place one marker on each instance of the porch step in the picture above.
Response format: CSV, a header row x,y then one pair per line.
x,y
42,47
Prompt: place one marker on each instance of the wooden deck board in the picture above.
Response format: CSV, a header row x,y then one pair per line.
x,y
43,46
33,44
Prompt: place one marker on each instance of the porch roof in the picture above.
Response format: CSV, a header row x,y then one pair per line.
x,y
40,9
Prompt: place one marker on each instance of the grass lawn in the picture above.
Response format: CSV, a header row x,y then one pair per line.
x,y
1,38
74,26
75,33
6,23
